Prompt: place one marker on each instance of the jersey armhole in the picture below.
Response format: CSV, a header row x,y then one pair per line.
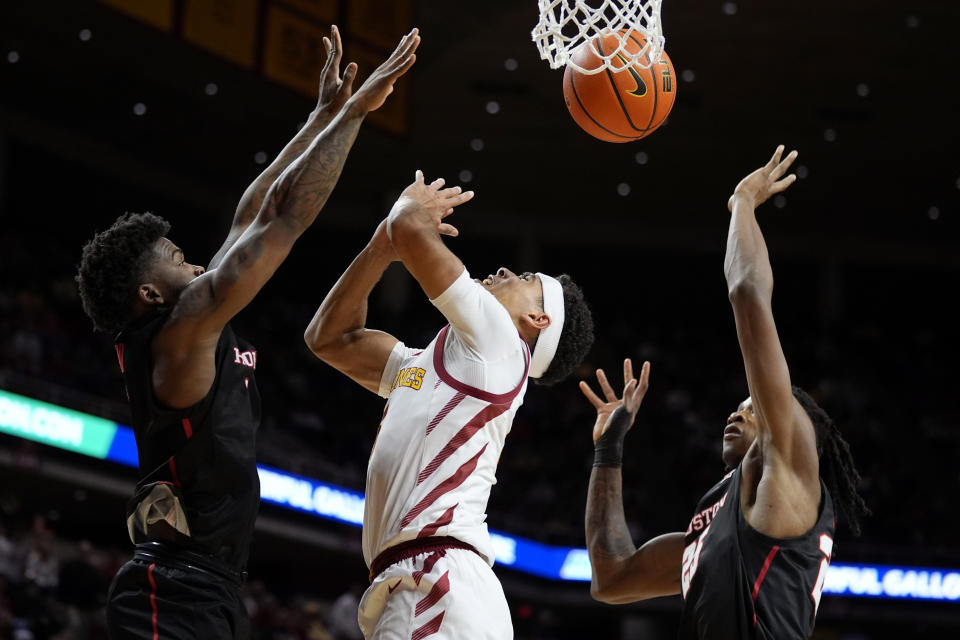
x,y
462,387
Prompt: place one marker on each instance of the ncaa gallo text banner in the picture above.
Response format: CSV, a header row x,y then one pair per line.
x,y
56,426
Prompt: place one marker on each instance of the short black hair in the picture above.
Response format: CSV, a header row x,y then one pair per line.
x,y
576,337
112,263
837,468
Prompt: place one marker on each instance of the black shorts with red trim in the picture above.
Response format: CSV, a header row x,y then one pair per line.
x,y
170,596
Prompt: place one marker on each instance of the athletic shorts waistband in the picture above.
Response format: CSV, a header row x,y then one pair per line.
x,y
415,547
172,555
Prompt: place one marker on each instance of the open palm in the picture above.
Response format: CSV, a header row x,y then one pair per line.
x,y
633,392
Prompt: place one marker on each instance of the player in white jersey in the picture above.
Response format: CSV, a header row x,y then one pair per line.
x,y
449,409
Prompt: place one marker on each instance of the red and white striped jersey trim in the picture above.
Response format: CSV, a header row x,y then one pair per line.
x,y
435,458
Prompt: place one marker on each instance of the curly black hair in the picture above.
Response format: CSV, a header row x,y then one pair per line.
x,y
111,265
837,468
576,337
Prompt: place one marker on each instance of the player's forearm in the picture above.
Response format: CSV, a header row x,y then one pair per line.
x,y
252,198
747,263
609,543
344,310
302,189
411,228
415,237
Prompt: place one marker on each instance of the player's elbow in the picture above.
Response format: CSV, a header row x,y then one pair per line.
x,y
599,593
607,588
319,343
608,594
746,289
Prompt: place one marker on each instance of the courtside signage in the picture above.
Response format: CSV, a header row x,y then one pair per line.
x,y
303,494
882,581
82,433
55,426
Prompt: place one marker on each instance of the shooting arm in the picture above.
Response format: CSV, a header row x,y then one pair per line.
x,y
338,334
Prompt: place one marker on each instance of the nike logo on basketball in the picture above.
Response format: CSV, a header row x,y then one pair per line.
x,y
393,588
641,89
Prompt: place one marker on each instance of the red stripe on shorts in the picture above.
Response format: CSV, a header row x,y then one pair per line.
x,y
429,628
427,566
153,600
440,589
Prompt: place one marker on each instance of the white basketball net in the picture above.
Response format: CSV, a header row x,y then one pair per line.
x,y
566,24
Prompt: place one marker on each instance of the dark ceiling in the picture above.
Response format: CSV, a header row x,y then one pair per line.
x,y
880,76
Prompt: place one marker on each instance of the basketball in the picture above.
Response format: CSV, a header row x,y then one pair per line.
x,y
622,106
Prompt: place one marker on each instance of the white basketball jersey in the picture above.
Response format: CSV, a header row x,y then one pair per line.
x,y
435,457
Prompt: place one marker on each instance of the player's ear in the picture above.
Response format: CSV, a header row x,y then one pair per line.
x,y
536,320
149,294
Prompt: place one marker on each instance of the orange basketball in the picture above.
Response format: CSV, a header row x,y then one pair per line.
x,y
622,106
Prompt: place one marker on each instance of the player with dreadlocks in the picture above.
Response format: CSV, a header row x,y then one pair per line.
x,y
752,562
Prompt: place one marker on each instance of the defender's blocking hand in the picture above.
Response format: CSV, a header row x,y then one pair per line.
x,y
765,181
374,91
334,90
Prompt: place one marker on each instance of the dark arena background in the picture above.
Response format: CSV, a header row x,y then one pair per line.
x,y
174,106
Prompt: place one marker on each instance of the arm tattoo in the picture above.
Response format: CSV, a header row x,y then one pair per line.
x,y
607,532
303,188
253,197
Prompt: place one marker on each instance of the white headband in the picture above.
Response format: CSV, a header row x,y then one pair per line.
x,y
550,337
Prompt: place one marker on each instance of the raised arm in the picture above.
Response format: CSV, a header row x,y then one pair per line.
x,y
184,366
334,91
338,335
622,573
785,433
415,225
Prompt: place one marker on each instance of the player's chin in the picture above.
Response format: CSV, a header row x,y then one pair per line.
x,y
731,453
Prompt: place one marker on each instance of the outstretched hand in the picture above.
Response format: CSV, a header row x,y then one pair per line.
x,y
374,91
633,392
765,181
334,89
430,200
